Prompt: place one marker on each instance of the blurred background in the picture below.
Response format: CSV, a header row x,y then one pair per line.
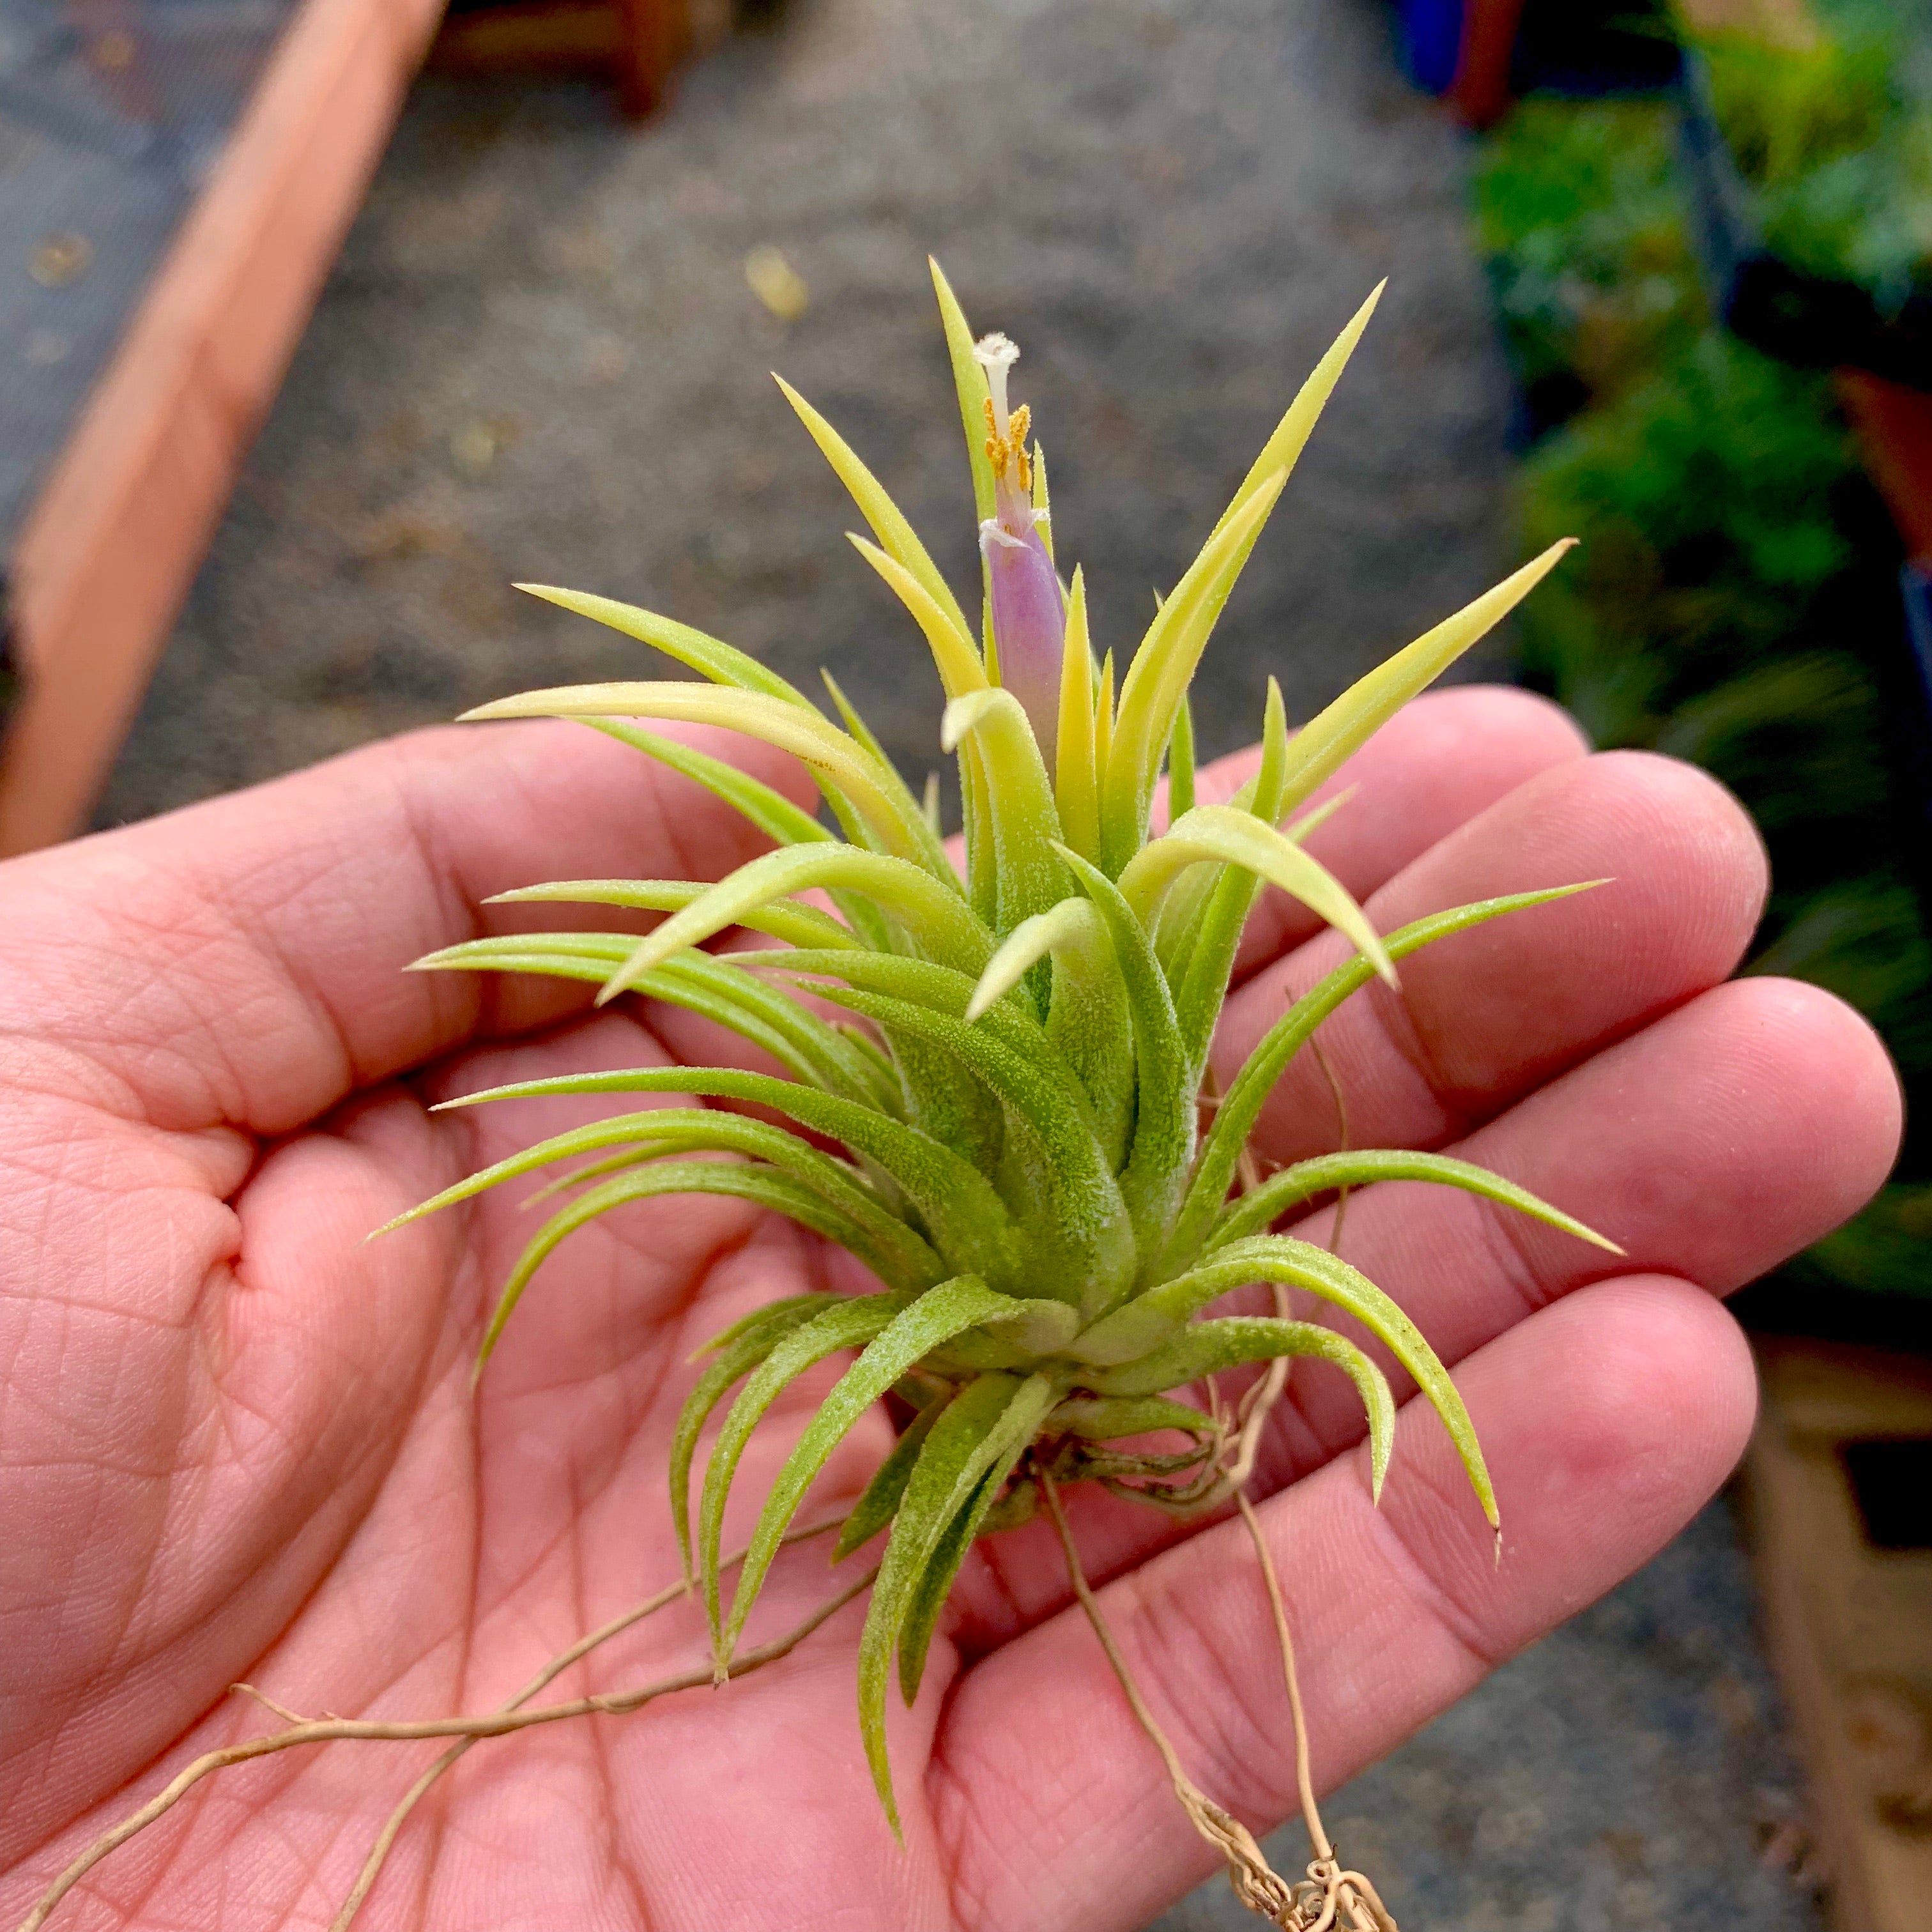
x,y
322,320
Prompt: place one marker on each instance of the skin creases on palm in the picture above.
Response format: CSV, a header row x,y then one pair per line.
x,y
1017,1080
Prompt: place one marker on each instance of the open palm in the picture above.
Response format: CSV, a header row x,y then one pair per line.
x,y
238,1442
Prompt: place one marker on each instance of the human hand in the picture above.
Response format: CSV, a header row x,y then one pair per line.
x,y
235,1442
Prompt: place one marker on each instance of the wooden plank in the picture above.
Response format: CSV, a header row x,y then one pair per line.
x,y
113,542
1850,1624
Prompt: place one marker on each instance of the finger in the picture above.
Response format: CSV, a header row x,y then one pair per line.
x,y
1609,1419
1486,1016
247,953
1712,1146
1438,762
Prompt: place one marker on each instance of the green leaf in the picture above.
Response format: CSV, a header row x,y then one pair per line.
x,y
935,915
796,925
1206,1348
963,1217
979,1424
1180,764
734,1352
764,1186
1073,926
958,663
1024,820
1087,1022
928,1598
1076,782
789,727
1078,1232
1336,734
1283,449
849,1324
1145,1324
724,994
893,1249
970,379
936,1317
1042,502
1240,1107
888,524
1252,1214
880,1504
1108,1418
1158,679
782,822
710,657
1220,832
1163,1138
1207,924
912,809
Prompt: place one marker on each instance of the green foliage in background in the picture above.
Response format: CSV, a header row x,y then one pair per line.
x,y
1580,218
1835,138
1719,609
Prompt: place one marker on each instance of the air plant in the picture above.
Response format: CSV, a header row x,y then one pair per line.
x,y
1021,1083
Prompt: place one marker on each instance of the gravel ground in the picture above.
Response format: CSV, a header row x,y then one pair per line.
x,y
1623,1776
539,357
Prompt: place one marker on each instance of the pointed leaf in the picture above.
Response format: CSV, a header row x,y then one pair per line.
x,y
970,379
958,665
1336,733
849,1324
782,822
1220,832
1283,449
1252,1214
964,1219
1127,1334
934,914
888,524
935,1317
978,1425
764,1186
1158,679
796,925
710,657
911,809
733,1353
809,737
1241,1106
1206,1348
1076,783
905,1259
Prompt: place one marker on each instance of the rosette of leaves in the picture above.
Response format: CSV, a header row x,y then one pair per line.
x,y
1018,1091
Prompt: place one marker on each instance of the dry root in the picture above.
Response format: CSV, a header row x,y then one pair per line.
x,y
515,1715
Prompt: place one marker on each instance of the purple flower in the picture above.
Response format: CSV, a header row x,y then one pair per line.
x,y
1029,612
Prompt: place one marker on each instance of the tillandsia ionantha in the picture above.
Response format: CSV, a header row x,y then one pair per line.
x,y
1034,1168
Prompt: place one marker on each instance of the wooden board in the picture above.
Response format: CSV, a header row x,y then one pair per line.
x,y
1844,1558
115,538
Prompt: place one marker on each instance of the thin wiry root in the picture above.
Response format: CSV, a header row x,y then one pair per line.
x,y
514,1716
1256,1883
